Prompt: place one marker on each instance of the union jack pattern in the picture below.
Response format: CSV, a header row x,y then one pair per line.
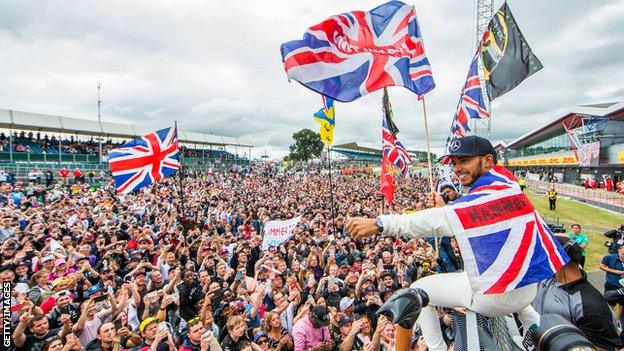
x,y
391,148
352,54
504,242
471,102
145,160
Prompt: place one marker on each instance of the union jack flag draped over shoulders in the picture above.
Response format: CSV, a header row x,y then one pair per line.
x,y
504,242
352,54
471,102
145,160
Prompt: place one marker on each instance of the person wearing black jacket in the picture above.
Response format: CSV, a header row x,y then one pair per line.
x,y
569,294
190,294
369,304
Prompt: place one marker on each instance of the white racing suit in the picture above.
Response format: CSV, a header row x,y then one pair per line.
x,y
454,289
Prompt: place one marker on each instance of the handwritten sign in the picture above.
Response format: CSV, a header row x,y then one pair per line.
x,y
276,232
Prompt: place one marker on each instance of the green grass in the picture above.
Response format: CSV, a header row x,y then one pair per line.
x,y
594,222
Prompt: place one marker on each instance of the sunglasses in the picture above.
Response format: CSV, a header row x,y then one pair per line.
x,y
262,341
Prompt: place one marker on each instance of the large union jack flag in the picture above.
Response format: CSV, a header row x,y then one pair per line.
x,y
504,242
471,102
352,54
145,160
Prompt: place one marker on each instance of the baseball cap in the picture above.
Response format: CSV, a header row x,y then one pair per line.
x,y
320,314
345,303
447,184
92,290
47,258
58,281
59,261
369,289
344,320
259,335
147,322
470,145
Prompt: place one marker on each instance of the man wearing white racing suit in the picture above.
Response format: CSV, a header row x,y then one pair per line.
x,y
474,161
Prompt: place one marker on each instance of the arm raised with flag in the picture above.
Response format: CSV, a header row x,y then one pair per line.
x,y
506,246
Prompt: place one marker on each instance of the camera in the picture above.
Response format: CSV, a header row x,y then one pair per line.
x,y
556,333
616,236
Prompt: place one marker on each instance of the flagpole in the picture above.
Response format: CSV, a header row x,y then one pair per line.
x,y
331,191
181,176
429,159
427,140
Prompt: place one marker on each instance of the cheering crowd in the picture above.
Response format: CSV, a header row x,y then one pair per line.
x,y
164,269
90,270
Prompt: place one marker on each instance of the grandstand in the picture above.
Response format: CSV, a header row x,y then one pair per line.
x,y
354,152
47,141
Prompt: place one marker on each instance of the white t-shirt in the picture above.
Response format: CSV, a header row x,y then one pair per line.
x,y
89,332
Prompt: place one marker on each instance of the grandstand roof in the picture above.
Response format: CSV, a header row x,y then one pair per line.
x,y
355,147
50,123
612,110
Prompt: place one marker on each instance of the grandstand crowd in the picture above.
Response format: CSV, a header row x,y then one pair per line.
x,y
91,270
36,143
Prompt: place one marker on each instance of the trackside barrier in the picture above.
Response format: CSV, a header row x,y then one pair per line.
x,y
600,198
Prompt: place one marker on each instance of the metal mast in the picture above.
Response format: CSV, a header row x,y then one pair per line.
x,y
99,122
484,12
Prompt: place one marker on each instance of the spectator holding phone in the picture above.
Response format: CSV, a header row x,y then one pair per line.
x,y
63,307
198,339
40,331
190,295
91,319
155,336
311,333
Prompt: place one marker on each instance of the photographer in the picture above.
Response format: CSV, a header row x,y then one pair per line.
x,y
569,294
613,265
617,239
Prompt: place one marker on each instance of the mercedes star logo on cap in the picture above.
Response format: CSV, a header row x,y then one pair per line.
x,y
455,145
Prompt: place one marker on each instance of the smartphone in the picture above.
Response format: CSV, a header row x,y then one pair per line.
x,y
100,298
118,324
163,326
65,310
128,279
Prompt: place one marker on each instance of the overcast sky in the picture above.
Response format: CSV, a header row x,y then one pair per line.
x,y
215,66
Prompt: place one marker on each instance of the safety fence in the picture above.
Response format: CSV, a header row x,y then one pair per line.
x,y
597,197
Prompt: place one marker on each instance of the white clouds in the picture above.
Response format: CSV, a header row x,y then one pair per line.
x,y
215,66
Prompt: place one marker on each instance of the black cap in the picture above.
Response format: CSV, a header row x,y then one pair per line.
x,y
320,314
470,145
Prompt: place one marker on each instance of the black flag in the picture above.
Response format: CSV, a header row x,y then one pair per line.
x,y
506,56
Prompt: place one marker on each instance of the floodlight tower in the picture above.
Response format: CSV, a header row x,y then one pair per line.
x,y
483,14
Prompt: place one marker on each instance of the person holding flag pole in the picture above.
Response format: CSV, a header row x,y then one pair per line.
x,y
506,245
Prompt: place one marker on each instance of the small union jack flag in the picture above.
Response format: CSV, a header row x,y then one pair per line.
x,y
471,102
145,160
391,148
504,242
352,54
